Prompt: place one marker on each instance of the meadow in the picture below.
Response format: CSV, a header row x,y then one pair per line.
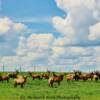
x,y
39,90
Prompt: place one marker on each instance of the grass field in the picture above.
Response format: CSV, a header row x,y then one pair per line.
x,y
39,89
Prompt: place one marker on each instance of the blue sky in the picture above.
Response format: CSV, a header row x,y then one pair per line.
x,y
50,33
31,10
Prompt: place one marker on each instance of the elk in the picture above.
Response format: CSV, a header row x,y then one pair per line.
x,y
4,77
35,76
55,79
14,74
69,77
46,75
20,81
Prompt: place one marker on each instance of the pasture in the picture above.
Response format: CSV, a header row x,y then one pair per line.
x,y
39,90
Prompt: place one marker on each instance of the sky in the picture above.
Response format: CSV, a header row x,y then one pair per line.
x,y
59,35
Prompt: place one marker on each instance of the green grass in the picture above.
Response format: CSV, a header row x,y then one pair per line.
x,y
89,90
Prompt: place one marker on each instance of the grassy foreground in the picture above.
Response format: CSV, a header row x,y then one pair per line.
x,y
39,90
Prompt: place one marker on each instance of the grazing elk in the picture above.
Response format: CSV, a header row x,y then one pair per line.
x,y
4,78
46,75
55,79
97,73
20,81
14,74
90,75
69,77
80,76
95,77
77,75
35,76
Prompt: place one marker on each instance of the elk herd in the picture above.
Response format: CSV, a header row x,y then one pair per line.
x,y
51,77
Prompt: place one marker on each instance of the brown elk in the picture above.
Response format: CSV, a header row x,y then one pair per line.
x,y
55,79
35,76
4,78
13,75
80,76
90,75
46,75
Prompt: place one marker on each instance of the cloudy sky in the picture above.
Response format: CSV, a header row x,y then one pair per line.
x,y
62,35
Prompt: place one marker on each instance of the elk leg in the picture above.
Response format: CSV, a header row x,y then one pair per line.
x,y
51,84
58,82
40,78
33,78
21,85
7,80
96,79
15,84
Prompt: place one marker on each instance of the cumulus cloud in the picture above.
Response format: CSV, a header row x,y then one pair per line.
x,y
78,29
17,49
8,26
81,16
71,52
35,49
36,46
95,32
10,32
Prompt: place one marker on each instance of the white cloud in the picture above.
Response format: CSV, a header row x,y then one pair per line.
x,y
40,40
71,52
67,5
8,26
5,25
22,48
34,49
78,29
9,35
95,32
36,46
19,27
80,16
34,19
